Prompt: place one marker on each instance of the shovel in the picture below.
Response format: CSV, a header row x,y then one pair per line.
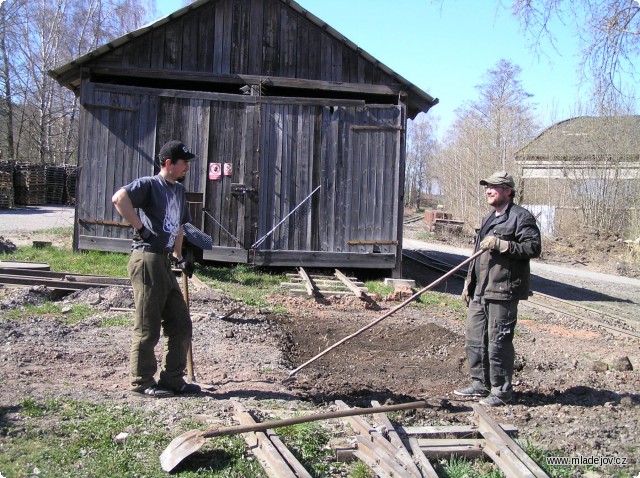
x,y
191,441
392,311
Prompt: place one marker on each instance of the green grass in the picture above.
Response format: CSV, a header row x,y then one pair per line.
x,y
59,231
379,288
308,441
72,315
242,282
442,301
120,320
462,468
63,260
360,470
65,438
425,236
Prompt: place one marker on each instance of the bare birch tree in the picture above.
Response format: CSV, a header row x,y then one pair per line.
x,y
41,35
609,33
484,138
422,147
8,21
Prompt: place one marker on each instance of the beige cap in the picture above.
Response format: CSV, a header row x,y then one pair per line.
x,y
501,178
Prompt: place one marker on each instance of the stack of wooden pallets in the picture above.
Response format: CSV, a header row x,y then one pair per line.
x,y
71,174
30,184
6,185
55,183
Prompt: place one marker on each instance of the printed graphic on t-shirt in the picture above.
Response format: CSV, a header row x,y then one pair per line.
x,y
171,223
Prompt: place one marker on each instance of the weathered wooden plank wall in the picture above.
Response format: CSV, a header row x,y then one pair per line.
x,y
355,168
113,139
227,210
253,37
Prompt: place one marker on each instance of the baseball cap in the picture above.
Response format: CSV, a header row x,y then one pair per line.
x,y
501,178
175,150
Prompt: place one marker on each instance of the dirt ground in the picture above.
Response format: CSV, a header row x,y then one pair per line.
x,y
573,392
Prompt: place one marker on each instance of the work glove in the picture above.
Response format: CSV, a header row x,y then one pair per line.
x,y
145,234
492,243
465,293
184,265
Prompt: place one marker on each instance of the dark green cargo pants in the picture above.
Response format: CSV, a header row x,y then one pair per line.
x,y
159,305
489,344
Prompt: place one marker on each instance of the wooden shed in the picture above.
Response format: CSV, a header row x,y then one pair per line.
x,y
300,134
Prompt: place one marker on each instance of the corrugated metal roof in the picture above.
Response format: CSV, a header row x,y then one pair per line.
x,y
586,136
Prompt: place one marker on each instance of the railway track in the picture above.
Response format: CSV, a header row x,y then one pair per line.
x,y
413,218
619,318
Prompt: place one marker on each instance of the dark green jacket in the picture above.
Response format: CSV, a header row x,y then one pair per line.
x,y
506,276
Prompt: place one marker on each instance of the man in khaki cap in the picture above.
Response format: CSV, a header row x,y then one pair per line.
x,y
497,280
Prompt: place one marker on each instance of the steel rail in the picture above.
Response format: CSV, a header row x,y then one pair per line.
x,y
629,322
597,323
432,263
58,280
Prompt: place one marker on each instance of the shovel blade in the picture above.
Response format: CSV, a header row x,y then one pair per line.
x,y
180,448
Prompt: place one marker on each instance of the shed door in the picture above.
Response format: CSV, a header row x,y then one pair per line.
x,y
330,178
231,181
220,131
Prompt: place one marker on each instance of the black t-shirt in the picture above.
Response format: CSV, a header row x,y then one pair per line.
x,y
162,207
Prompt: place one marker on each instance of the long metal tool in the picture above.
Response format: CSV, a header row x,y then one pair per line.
x,y
391,312
264,238
191,441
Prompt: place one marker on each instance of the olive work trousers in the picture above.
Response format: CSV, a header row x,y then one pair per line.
x,y
489,344
159,304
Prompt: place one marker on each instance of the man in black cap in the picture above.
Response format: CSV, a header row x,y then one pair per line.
x,y
496,281
156,207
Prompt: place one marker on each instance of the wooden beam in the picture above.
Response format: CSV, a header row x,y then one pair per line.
x,y
273,463
486,424
241,80
324,259
445,448
108,244
368,456
312,289
428,471
380,456
350,285
506,460
226,254
103,223
403,454
469,431
385,450
293,462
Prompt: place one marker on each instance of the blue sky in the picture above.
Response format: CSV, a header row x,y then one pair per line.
x,y
447,50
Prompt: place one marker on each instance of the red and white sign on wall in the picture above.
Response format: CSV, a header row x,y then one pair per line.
x,y
228,169
214,171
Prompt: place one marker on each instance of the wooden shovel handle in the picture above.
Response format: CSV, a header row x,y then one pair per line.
x,y
185,286
259,427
